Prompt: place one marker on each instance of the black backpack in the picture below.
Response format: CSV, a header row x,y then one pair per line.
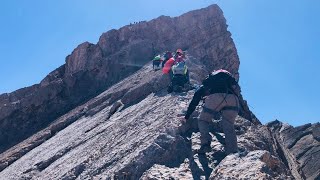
x,y
220,81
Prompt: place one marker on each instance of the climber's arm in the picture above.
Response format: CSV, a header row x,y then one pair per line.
x,y
195,101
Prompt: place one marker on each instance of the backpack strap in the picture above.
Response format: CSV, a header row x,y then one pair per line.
x,y
233,108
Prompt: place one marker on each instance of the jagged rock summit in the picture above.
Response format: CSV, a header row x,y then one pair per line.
x,y
106,114
116,136
92,68
300,146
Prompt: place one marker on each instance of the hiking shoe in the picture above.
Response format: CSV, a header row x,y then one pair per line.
x,y
204,148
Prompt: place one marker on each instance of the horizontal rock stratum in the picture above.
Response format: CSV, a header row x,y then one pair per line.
x,y
105,114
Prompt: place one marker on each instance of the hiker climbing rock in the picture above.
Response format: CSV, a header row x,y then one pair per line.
x,y
179,56
221,91
156,62
167,55
178,71
170,61
179,77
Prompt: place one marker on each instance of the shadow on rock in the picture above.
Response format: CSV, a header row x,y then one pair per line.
x,y
205,165
202,164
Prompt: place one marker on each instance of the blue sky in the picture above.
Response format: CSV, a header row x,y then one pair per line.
x,y
277,42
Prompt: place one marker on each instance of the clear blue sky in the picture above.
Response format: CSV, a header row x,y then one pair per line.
x,y
278,43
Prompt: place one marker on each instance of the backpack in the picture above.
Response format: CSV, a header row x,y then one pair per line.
x,y
220,81
225,72
157,58
179,69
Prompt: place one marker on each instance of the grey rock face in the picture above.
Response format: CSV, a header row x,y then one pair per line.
x,y
129,131
255,165
92,68
100,141
301,148
113,136
132,129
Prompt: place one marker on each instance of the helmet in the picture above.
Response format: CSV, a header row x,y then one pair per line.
x,y
179,51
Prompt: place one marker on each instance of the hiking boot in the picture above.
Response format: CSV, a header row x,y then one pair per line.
x,y
204,148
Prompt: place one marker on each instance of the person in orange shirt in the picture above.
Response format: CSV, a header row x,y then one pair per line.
x,y
168,63
167,55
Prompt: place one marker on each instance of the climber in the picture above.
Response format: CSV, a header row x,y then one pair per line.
x,y
170,61
167,55
179,56
221,91
179,77
178,71
156,62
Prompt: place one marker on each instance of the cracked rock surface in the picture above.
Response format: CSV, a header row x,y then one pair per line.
x,y
301,148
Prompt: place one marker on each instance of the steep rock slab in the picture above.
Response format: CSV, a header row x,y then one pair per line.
x,y
126,144
301,148
114,98
91,68
124,94
126,132
129,144
262,161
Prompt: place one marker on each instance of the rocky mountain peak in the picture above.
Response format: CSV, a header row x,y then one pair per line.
x,y
92,68
82,58
106,114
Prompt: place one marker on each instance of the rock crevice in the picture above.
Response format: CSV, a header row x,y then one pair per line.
x,y
300,148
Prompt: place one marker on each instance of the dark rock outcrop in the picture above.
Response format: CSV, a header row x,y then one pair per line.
x,y
300,147
92,68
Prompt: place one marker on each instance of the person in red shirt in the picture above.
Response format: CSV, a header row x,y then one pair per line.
x,y
179,57
167,66
167,55
178,79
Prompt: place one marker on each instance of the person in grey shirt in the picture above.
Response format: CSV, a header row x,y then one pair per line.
x,y
220,89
